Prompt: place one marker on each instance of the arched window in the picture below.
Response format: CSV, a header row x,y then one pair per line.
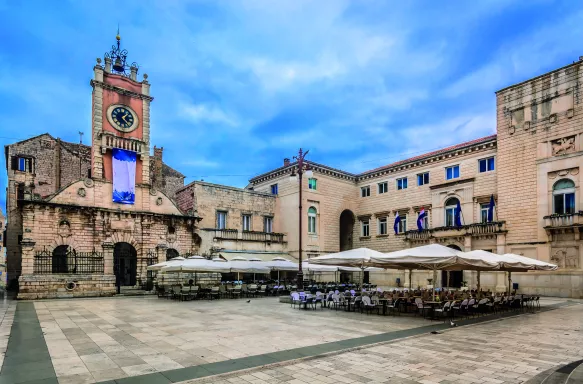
x,y
171,253
450,207
312,220
564,197
59,259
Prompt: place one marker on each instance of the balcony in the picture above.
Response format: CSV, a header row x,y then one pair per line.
x,y
476,230
110,140
563,221
253,236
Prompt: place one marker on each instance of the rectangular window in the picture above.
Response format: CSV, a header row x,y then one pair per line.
x,y
486,165
312,184
382,226
452,172
365,191
365,228
564,203
274,189
246,222
23,164
450,216
423,178
221,220
312,224
402,183
383,187
268,224
484,212
402,227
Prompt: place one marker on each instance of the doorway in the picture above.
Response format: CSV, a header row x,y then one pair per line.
x,y
455,277
124,264
346,230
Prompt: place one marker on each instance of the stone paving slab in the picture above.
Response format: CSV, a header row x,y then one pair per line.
x,y
103,339
497,352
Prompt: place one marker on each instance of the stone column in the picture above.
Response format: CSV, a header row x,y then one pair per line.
x,y
161,252
27,246
108,258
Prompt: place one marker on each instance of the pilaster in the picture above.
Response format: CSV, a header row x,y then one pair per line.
x,y
146,138
107,258
97,160
27,246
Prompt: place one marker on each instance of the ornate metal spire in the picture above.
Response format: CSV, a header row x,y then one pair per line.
x,y
118,58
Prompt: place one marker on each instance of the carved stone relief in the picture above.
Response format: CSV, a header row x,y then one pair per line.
x,y
564,172
566,257
64,229
82,192
563,145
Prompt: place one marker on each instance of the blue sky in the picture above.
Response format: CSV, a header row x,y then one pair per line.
x,y
239,85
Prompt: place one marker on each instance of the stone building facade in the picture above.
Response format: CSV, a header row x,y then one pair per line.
x,y
531,168
66,237
235,221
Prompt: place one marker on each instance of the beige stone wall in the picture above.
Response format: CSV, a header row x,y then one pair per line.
x,y
530,115
332,196
468,188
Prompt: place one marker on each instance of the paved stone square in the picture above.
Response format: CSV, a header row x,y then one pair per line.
x,y
508,351
100,339
146,339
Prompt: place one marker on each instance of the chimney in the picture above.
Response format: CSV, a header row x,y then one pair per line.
x,y
285,162
157,181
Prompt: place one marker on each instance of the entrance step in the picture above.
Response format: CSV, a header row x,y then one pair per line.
x,y
566,374
132,291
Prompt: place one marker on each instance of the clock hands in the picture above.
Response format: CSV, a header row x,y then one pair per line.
x,y
124,118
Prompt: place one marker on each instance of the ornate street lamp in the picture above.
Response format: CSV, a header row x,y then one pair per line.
x,y
301,169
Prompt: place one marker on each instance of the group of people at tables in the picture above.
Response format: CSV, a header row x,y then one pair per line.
x,y
421,301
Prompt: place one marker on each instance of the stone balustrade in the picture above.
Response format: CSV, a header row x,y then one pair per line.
x,y
110,140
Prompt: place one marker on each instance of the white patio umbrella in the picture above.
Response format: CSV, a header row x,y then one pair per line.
x,y
159,266
281,264
359,258
198,264
432,257
249,267
510,263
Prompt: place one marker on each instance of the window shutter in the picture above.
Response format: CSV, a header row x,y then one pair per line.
x,y
14,165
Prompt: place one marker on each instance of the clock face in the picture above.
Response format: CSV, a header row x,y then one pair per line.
x,y
122,117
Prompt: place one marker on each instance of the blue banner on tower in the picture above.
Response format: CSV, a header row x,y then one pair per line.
x,y
124,176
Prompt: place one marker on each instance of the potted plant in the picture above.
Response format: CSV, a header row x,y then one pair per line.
x,y
464,286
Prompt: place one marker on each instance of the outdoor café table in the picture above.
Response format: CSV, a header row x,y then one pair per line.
x,y
384,303
433,304
230,291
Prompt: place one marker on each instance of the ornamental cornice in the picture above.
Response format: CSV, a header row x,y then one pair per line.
x,y
123,91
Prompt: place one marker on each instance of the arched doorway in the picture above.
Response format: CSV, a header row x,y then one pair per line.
x,y
346,230
455,278
124,264
59,259
171,253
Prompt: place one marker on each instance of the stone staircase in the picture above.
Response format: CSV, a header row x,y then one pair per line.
x,y
571,373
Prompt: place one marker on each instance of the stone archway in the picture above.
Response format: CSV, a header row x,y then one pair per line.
x,y
346,230
455,278
125,261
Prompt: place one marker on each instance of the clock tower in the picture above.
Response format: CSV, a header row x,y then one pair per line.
x,y
120,115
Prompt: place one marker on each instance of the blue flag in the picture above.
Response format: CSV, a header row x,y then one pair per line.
x,y
422,215
397,221
491,209
458,215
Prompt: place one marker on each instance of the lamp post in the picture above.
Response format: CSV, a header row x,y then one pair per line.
x,y
301,168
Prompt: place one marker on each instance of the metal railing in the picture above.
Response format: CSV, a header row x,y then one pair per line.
x,y
564,220
67,262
